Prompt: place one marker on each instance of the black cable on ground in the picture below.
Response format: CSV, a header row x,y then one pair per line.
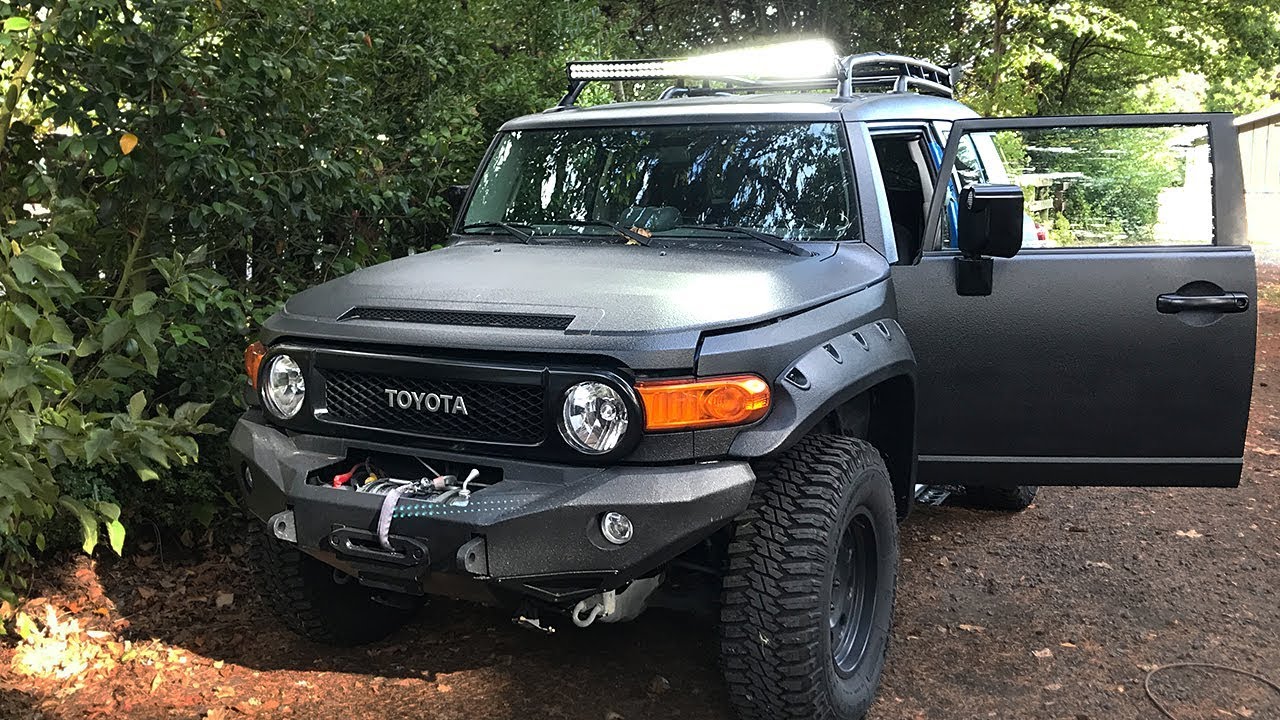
x,y
1146,684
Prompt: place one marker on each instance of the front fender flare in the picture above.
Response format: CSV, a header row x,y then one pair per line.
x,y
824,378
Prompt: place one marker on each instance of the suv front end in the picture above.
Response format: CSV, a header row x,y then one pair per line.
x,y
554,513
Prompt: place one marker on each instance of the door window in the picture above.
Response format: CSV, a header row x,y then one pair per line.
x,y
908,162
1090,187
977,158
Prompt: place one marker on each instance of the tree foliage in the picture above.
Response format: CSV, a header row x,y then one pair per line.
x,y
1021,56
172,169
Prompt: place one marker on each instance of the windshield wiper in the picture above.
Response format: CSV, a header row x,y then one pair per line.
x,y
764,237
512,230
624,232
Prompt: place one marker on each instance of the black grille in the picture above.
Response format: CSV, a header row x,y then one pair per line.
x,y
462,317
496,412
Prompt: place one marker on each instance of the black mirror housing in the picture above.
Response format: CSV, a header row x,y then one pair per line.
x,y
989,225
454,195
990,222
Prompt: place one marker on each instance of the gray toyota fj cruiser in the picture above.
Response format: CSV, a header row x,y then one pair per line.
x,y
702,351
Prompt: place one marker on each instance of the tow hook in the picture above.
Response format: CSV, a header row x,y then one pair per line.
x,y
615,606
589,610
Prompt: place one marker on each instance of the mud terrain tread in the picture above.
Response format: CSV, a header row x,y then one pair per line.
x,y
300,591
777,567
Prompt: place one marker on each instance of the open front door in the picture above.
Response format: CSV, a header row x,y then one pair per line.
x,y
1117,347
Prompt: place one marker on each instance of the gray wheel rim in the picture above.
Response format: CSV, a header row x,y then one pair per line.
x,y
854,592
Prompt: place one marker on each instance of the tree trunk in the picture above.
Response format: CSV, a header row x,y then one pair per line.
x,y
997,54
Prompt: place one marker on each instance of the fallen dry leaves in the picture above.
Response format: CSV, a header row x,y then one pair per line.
x,y
73,645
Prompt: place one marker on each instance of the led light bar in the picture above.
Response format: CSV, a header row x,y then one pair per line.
x,y
803,59
622,70
804,65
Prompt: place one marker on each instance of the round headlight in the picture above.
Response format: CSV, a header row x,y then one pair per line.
x,y
595,417
283,388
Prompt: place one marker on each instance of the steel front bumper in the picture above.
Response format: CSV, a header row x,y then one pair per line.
x,y
535,533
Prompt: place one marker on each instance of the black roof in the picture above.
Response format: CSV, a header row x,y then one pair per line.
x,y
811,107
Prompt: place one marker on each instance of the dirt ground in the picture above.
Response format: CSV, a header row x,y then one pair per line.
x,y
1058,612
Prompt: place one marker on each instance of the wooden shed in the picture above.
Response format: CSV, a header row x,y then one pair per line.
x,y
1259,134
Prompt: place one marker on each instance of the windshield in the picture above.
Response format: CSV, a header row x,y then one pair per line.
x,y
783,179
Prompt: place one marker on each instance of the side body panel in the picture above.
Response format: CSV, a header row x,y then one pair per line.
x,y
1067,374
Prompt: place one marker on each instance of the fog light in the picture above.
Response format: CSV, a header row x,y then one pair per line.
x,y
616,527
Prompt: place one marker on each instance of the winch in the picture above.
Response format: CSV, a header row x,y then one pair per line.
x,y
436,488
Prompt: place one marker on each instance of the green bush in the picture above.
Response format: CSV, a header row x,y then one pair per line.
x,y
171,171
66,363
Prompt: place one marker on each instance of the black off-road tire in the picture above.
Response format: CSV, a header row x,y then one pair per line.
x,y
778,600
1003,499
307,597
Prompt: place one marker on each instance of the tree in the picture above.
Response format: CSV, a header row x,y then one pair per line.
x,y
1022,56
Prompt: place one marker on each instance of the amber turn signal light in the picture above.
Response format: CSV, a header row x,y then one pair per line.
x,y
252,361
706,403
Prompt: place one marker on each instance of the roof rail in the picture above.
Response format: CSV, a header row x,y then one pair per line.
x,y
692,77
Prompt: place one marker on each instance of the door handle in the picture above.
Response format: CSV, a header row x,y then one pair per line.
x,y
1227,302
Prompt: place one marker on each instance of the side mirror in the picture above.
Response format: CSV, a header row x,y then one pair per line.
x,y
454,195
989,225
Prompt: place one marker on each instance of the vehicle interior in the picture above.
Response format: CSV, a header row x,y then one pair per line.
x,y
904,168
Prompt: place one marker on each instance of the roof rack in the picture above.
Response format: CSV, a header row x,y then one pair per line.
x,y
847,75
900,72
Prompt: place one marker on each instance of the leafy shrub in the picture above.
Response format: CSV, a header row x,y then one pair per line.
x,y
65,364
170,171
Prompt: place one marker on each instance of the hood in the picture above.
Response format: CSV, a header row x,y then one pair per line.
x,y
600,291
